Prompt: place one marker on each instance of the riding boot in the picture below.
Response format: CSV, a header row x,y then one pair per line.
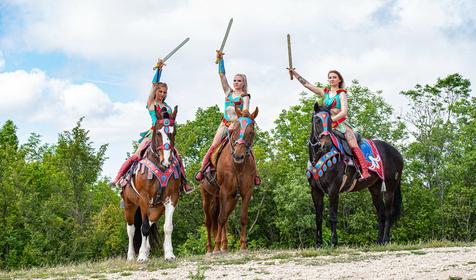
x,y
199,176
363,163
124,167
183,178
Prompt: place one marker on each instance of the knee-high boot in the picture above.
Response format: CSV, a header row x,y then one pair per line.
x,y
199,176
185,186
363,163
124,167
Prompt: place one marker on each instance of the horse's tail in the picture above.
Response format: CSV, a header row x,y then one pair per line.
x,y
154,237
397,204
397,169
137,233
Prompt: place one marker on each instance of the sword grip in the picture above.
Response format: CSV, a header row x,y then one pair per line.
x,y
291,76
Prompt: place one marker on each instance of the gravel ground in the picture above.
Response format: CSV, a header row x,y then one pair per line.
x,y
432,263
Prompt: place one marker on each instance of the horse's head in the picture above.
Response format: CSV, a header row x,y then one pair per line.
x,y
241,138
163,137
321,128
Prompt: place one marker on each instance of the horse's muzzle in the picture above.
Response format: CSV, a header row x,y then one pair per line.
x,y
238,159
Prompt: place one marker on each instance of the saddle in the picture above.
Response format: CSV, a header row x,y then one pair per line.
x,y
345,145
210,170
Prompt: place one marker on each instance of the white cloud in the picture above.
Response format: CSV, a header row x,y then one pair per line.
x,y
387,45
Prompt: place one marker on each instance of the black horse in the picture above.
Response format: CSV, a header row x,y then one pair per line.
x,y
331,171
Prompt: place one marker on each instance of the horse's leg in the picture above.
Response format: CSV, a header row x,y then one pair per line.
x,y
129,212
380,208
145,245
224,238
318,199
168,228
206,204
227,203
244,220
333,206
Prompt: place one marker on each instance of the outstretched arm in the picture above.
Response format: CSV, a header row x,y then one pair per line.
x,y
221,72
306,84
155,80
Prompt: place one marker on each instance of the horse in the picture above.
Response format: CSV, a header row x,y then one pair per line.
x,y
330,167
235,173
153,189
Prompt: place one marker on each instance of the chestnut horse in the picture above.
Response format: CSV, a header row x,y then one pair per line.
x,y
153,190
329,172
235,173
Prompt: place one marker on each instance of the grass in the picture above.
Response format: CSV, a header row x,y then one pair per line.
x,y
98,270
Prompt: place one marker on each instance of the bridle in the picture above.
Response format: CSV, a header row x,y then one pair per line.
x,y
167,125
244,122
325,120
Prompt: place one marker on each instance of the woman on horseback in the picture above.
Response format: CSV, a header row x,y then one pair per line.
x,y
336,99
155,101
239,97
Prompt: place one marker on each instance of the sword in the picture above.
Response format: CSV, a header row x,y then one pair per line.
x,y
224,38
172,52
290,58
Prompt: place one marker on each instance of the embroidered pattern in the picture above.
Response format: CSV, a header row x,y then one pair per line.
x,y
325,162
162,176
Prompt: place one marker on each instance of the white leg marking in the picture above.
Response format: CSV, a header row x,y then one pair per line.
x,y
144,249
168,228
130,250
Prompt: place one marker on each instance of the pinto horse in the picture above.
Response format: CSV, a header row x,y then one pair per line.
x,y
235,173
330,171
154,189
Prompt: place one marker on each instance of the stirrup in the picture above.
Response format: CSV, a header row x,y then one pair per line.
x,y
257,180
199,176
187,188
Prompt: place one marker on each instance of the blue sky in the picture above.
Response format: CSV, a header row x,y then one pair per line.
x,y
60,60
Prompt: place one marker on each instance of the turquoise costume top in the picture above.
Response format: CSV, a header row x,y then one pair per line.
x,y
333,102
159,109
229,99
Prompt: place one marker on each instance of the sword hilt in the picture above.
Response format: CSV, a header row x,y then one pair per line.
x,y
219,56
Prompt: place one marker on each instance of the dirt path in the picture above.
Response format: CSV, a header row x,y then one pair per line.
x,y
433,263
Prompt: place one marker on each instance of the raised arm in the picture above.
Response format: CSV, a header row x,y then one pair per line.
x,y
155,80
306,84
221,71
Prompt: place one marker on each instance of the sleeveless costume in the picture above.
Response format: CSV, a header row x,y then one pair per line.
x,y
148,135
227,120
340,125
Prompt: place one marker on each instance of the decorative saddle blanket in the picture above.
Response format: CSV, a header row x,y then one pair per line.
x,y
153,170
371,154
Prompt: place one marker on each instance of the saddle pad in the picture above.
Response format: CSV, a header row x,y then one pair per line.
x,y
372,156
216,153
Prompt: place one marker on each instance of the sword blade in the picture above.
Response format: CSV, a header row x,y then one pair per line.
x,y
226,35
290,58
176,49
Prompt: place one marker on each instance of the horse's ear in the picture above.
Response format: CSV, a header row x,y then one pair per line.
x,y
238,112
254,114
174,113
316,107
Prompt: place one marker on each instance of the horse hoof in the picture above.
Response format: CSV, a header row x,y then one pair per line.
x,y
170,257
141,259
